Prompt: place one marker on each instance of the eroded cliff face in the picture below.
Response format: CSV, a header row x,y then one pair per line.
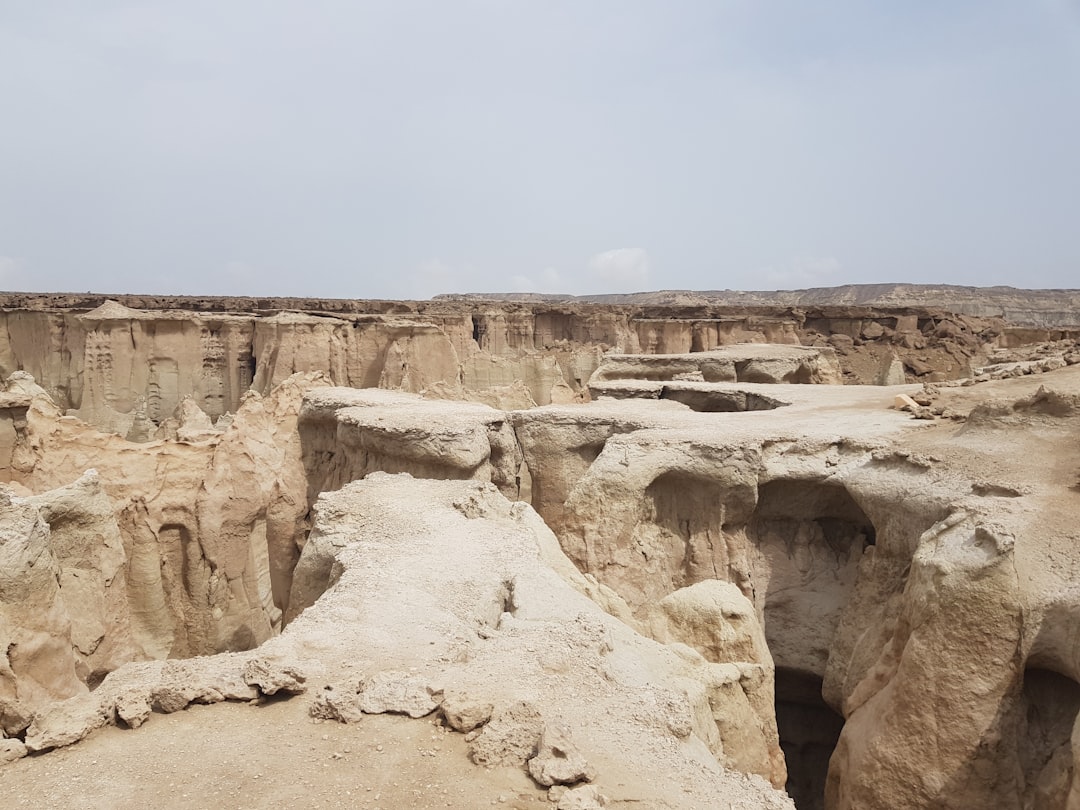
x,y
798,582
899,592
126,365
1035,309
165,549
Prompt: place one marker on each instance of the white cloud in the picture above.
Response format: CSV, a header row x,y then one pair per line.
x,y
803,271
622,269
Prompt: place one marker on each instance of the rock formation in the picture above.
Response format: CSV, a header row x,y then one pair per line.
x,y
125,365
1040,309
692,556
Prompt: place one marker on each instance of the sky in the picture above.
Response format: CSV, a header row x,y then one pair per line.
x,y
406,148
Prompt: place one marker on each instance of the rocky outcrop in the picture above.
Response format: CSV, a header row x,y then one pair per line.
x,y
37,663
125,365
1044,309
173,547
492,623
347,433
715,619
741,363
85,541
13,438
461,599
828,537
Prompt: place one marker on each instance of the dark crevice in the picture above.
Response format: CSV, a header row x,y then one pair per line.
x,y
812,535
720,401
508,604
808,730
1050,706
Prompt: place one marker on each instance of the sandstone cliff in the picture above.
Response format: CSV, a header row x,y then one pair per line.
x,y
170,548
1039,309
126,365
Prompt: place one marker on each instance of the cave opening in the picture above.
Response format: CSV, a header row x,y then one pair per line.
x,y
1050,704
808,729
810,537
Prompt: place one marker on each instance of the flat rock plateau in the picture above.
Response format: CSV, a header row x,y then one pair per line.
x,y
814,549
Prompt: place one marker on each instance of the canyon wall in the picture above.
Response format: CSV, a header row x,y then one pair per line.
x,y
1035,309
126,365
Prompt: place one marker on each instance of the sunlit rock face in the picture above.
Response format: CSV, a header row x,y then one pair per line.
x,y
125,365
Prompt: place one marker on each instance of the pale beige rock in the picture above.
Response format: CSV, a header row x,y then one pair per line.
x,y
11,750
512,397
486,617
271,677
342,705
398,693
904,574
183,549
65,723
517,628
349,433
510,737
165,686
891,371
902,402
949,555
193,424
557,760
474,632
134,708
585,797
86,542
714,618
754,363
464,713
119,366
538,373
37,655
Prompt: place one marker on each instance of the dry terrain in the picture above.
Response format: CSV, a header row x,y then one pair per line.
x,y
471,552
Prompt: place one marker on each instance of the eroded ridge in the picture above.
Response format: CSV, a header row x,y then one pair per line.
x,y
127,365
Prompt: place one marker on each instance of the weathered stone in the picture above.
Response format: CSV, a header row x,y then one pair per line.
x,y
11,750
134,708
464,713
272,677
337,704
398,693
558,761
511,736
585,797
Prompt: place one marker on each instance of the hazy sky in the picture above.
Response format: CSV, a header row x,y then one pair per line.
x,y
401,149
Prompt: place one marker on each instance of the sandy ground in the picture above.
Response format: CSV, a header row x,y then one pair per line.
x,y
234,756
